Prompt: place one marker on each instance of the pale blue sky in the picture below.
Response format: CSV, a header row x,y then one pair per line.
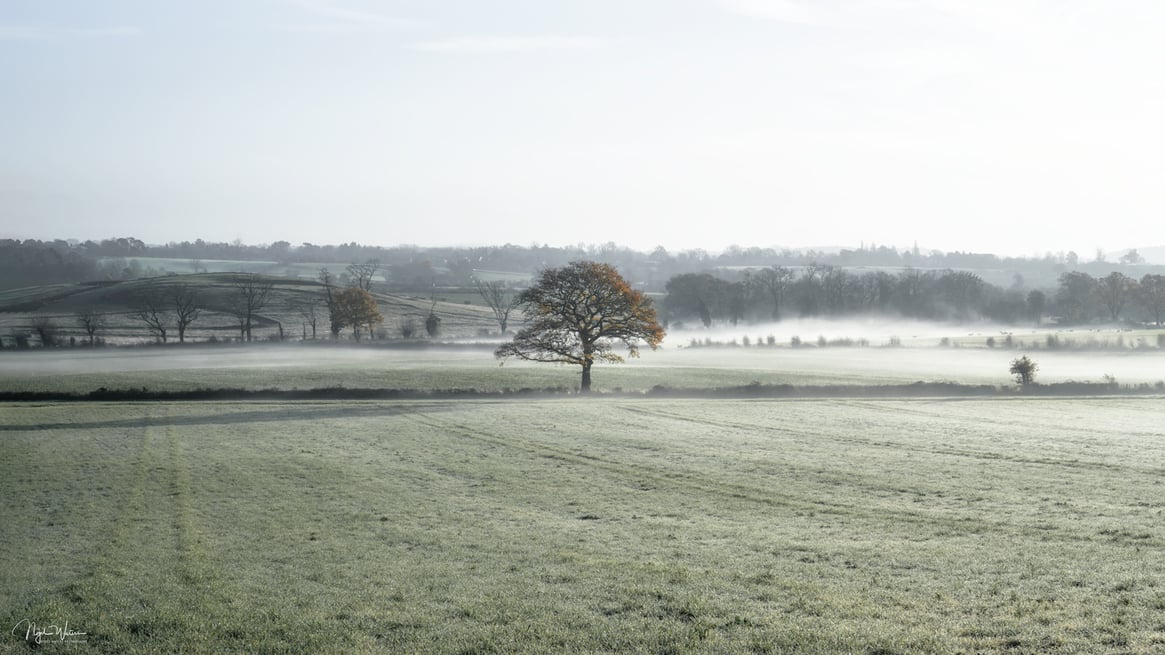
x,y
1010,126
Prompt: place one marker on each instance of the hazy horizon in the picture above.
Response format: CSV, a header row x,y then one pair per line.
x,y
1151,254
1014,129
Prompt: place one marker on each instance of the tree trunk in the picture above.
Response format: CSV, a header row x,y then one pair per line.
x,y
586,378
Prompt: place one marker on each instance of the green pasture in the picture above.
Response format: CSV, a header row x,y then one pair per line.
x,y
586,526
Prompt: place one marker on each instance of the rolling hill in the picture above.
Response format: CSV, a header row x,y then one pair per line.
x,y
215,293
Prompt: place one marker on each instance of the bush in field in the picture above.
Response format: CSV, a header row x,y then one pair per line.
x,y
46,329
1024,370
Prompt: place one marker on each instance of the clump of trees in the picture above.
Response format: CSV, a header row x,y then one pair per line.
x,y
830,291
353,307
825,290
159,308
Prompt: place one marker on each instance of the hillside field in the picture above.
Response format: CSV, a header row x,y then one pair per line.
x,y
586,526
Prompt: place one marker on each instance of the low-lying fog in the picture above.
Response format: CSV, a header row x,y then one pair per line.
x,y
878,331
964,358
166,358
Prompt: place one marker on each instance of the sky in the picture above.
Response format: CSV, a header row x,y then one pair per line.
x,y
1017,127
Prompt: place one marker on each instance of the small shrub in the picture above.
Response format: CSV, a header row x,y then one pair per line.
x,y
795,341
1024,370
990,342
408,327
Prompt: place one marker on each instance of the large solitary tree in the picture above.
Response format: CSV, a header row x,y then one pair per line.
x,y
576,313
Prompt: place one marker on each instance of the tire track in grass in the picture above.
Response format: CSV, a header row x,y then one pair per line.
x,y
1055,468
818,436
671,476
151,586
691,481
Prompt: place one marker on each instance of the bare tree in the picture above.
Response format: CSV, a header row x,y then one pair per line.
x,y
499,298
151,310
1152,295
185,302
92,322
432,321
46,329
362,274
963,290
1074,298
773,281
1036,300
309,310
1114,291
335,317
251,294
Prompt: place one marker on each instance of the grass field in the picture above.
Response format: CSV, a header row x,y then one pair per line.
x,y
307,366
586,526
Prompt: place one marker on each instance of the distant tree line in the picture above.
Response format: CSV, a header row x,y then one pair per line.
x,y
32,263
825,290
411,267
